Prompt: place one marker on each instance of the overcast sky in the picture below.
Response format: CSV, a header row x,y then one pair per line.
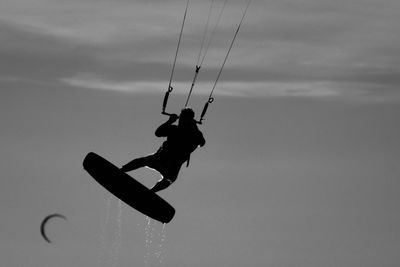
x,y
309,48
301,162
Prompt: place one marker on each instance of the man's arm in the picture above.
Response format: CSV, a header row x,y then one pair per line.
x,y
163,129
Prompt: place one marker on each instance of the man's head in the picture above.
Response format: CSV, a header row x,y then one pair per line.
x,y
186,116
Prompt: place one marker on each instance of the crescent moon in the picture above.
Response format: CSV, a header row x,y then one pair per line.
x,y
44,222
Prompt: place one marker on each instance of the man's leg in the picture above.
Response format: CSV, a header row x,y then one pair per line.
x,y
161,185
168,177
135,164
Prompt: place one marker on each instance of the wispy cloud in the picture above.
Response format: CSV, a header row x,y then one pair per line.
x,y
244,89
315,90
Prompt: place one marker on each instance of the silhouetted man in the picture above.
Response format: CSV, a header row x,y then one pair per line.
x,y
182,140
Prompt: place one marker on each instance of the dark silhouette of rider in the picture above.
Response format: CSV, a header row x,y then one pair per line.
x,y
182,140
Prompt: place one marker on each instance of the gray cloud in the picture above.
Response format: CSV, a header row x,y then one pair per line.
x,y
347,44
29,55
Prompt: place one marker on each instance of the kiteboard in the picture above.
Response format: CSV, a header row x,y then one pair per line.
x,y
128,189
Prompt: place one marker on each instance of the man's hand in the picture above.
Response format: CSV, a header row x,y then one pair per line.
x,y
173,118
